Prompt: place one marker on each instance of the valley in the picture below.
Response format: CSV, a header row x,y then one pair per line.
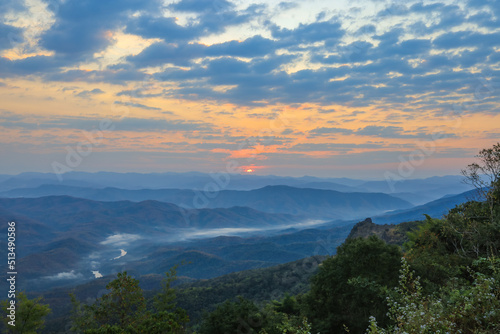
x,y
79,235
71,234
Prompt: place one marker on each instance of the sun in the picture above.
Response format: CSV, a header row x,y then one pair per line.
x,y
250,169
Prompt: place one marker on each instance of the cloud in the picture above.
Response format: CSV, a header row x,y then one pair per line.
x,y
141,124
9,116
11,6
367,29
86,94
165,53
118,76
136,105
201,6
372,66
393,10
165,28
10,36
255,46
29,65
308,147
286,5
491,135
10,120
385,132
181,54
212,146
212,16
400,133
328,31
83,28
410,47
326,130
462,39
137,93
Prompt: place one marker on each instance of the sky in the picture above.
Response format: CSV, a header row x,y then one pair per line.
x,y
366,89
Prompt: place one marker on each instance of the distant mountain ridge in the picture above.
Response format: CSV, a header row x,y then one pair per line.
x,y
62,238
418,191
434,209
313,203
66,212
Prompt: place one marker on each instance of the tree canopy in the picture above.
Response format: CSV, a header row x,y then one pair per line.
x,y
29,317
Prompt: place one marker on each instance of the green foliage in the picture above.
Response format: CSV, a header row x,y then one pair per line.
x,y
351,286
457,257
284,324
455,309
442,249
258,285
430,253
123,310
240,316
284,317
30,315
166,311
288,305
485,177
123,307
243,316
470,232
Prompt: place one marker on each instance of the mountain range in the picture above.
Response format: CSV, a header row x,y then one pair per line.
x,y
62,239
313,203
416,191
85,226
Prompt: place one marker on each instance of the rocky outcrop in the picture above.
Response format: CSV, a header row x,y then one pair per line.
x,y
392,234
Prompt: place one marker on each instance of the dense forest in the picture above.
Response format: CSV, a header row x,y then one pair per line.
x,y
444,279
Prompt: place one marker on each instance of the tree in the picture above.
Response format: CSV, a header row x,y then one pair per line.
x,y
430,250
123,304
284,317
288,305
123,310
457,257
166,317
241,316
351,286
485,177
473,308
442,249
30,315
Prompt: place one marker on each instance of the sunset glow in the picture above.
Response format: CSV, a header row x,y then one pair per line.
x,y
323,88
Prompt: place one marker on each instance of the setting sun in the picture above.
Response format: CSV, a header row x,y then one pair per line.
x,y
249,170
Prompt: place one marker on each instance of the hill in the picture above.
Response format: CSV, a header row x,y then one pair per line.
x,y
435,209
63,240
199,296
308,202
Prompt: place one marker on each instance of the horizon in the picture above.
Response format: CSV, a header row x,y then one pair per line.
x,y
235,174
